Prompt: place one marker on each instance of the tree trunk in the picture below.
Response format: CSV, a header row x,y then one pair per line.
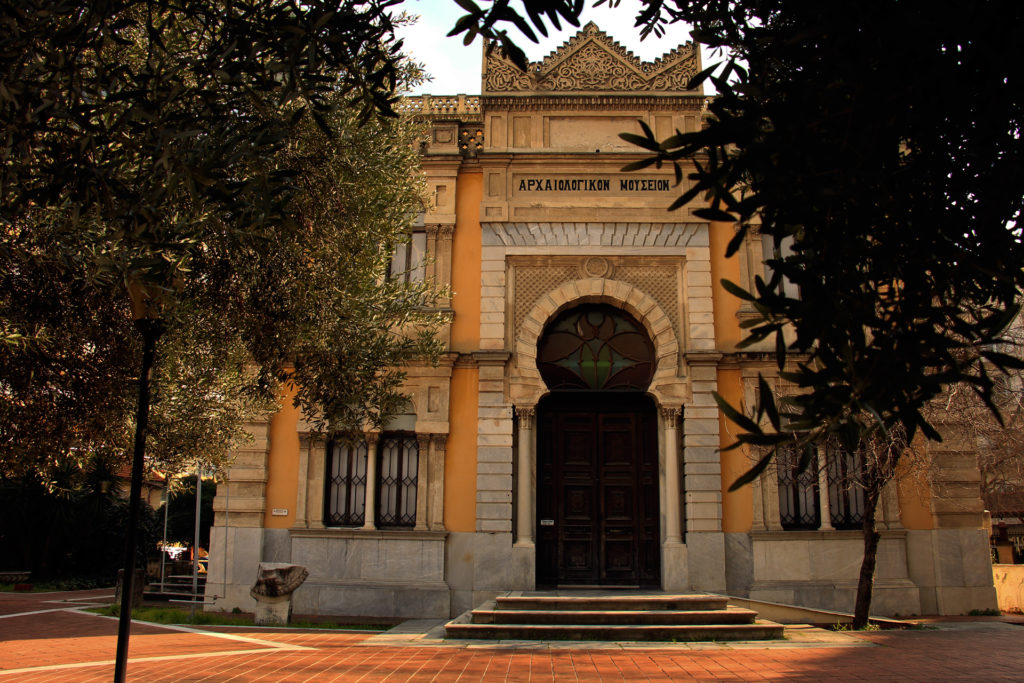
x,y
865,584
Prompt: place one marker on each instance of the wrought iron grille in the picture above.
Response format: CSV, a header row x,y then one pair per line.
x,y
845,493
345,502
397,474
798,492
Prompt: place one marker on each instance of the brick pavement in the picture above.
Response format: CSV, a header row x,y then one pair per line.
x,y
73,646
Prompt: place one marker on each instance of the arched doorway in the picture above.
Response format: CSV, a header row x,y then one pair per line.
x,y
597,452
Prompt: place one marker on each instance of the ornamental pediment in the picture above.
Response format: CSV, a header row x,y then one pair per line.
x,y
591,61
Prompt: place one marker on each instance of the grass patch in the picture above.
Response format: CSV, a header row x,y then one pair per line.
x,y
849,627
984,613
58,585
184,615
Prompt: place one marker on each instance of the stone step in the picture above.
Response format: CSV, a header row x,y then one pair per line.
x,y
733,615
184,578
760,630
607,603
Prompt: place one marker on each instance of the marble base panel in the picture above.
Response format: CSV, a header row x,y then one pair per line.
x,y
898,598
674,567
405,601
705,554
483,565
953,567
235,556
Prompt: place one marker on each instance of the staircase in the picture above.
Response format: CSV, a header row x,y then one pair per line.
x,y
592,615
177,587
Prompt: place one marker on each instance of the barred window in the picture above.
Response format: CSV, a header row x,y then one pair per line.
x,y
769,253
398,458
345,502
798,491
408,261
845,493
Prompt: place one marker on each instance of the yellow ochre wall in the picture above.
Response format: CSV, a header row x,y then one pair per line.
x,y
466,263
460,463
283,462
737,506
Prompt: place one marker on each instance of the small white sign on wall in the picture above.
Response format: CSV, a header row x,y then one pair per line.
x,y
279,512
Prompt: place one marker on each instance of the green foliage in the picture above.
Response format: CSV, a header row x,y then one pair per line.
x,y
484,22
890,161
184,615
987,612
69,527
220,162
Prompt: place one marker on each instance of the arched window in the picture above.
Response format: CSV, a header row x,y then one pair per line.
x,y
595,347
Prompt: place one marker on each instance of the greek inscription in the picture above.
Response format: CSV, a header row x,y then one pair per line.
x,y
593,185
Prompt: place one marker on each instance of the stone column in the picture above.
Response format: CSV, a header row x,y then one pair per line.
x,y
890,506
430,271
302,490
422,480
824,505
315,496
524,499
758,491
673,527
370,507
435,509
770,481
443,260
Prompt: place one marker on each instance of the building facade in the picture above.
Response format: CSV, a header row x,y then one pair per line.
x,y
570,436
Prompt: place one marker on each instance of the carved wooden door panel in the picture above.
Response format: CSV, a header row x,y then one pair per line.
x,y
597,505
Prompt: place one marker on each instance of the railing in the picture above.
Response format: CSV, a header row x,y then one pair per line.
x,y
434,105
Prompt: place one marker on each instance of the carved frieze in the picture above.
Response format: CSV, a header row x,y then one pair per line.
x,y
592,62
658,277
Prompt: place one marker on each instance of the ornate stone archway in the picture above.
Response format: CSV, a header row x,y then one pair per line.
x,y
667,386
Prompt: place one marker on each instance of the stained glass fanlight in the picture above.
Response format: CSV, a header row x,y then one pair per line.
x,y
595,347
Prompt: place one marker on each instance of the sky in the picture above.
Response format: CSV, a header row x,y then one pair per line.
x,y
455,68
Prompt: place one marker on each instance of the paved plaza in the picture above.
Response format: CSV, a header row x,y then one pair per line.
x,y
47,637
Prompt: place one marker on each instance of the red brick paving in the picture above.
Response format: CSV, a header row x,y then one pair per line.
x,y
988,654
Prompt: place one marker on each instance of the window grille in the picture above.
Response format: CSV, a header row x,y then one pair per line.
x,y
408,263
845,492
798,491
345,502
398,458
771,253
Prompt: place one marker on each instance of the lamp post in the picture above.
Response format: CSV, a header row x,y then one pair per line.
x,y
147,322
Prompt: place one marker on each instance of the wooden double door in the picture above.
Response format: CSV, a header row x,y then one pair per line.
x,y
597,490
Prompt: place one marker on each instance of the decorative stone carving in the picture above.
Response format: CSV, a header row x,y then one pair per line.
x,y
533,279
526,415
597,266
671,413
275,583
275,579
592,62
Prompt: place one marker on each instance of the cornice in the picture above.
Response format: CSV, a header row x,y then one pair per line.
x,y
599,101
